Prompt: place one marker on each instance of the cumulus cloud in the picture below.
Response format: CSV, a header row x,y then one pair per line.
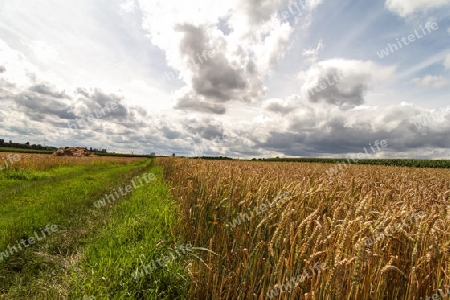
x,y
259,11
213,77
38,102
43,111
407,7
227,58
241,56
44,102
314,130
95,99
205,128
278,106
436,82
292,126
47,90
342,82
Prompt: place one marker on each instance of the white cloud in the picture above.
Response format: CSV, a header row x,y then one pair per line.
x,y
436,82
447,62
127,6
407,7
313,54
243,57
105,51
17,66
44,52
313,3
314,126
343,82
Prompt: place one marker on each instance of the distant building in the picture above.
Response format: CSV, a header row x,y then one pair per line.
x,y
152,154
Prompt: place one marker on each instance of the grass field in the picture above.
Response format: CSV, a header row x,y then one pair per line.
x,y
206,229
93,252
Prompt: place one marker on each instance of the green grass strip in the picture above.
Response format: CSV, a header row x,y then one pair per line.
x,y
137,234
28,210
39,271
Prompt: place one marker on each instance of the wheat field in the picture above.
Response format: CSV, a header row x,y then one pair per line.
x,y
40,162
369,232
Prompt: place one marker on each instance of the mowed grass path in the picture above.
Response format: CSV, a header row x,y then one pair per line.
x,y
94,252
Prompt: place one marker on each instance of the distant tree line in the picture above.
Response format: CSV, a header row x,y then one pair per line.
x,y
26,145
399,162
213,157
97,150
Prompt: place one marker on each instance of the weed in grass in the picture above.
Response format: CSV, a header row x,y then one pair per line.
x,y
20,174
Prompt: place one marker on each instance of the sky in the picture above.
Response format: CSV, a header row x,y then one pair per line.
x,y
237,78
